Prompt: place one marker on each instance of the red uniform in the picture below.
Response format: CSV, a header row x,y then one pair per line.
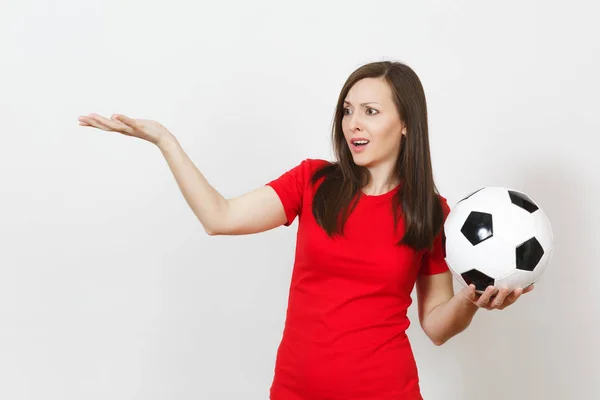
x,y
344,335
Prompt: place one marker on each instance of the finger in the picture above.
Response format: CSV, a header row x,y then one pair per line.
x,y
473,295
512,297
500,297
485,297
122,127
93,123
109,124
470,293
125,120
528,289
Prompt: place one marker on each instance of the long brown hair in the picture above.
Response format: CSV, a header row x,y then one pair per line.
x,y
417,199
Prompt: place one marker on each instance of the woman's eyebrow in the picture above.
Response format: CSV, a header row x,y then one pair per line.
x,y
362,104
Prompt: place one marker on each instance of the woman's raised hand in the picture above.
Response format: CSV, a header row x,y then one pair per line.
x,y
150,131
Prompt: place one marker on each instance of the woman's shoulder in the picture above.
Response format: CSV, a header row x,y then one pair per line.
x,y
317,163
303,172
311,166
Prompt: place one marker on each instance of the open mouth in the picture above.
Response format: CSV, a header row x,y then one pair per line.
x,y
359,144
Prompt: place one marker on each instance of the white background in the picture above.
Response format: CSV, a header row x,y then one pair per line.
x,y
109,287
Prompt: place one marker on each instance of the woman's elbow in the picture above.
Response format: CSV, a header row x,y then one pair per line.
x,y
437,338
438,341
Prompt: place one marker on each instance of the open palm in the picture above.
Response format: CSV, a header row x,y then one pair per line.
x,y
148,130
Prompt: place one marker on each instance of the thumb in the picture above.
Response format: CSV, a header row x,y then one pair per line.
x,y
469,293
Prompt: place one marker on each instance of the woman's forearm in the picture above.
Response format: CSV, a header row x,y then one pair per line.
x,y
204,200
449,319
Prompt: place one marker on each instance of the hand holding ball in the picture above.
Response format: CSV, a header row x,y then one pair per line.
x,y
497,237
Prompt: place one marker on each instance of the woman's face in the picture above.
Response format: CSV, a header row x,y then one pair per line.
x,y
371,123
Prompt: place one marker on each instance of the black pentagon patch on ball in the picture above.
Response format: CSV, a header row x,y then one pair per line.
x,y
529,254
470,195
478,227
477,278
521,200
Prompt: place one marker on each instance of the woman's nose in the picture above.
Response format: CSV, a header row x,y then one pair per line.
x,y
354,122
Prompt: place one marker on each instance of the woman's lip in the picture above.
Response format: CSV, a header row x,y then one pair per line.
x,y
358,149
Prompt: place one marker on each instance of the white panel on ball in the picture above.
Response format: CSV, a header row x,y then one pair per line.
x,y
514,279
543,229
516,225
541,267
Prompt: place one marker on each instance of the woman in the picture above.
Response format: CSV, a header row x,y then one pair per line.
x,y
370,228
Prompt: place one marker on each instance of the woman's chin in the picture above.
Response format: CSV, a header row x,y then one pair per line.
x,y
361,160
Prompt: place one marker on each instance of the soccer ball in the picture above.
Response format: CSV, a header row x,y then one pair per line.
x,y
497,236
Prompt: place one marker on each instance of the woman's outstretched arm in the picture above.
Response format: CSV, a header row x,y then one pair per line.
x,y
256,211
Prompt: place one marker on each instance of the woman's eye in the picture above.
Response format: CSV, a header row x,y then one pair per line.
x,y
370,111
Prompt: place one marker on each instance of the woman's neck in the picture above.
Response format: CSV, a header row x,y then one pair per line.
x,y
383,177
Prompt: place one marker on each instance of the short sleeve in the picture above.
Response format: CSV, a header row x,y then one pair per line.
x,y
291,185
433,261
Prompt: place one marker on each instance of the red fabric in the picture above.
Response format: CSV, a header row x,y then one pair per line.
x,y
344,335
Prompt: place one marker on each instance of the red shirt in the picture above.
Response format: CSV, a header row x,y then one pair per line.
x,y
344,335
